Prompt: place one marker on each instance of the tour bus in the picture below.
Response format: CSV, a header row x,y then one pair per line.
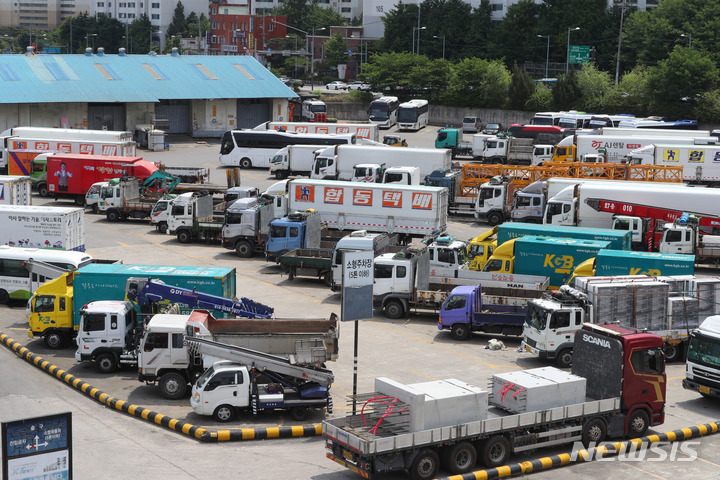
x,y
656,122
601,121
547,118
15,280
413,115
384,111
253,148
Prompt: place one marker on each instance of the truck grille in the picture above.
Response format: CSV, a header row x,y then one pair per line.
x,y
706,377
530,341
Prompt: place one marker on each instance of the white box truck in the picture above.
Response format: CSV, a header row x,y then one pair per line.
x,y
338,162
616,148
408,210
368,131
61,228
701,163
294,160
15,190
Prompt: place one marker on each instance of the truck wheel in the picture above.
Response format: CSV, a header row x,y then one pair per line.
x,y
245,163
673,353
460,331
184,236
425,466
394,309
113,215
172,386
95,208
564,358
80,201
4,297
328,279
495,218
495,451
638,423
281,175
594,432
224,413
460,458
43,190
299,413
244,249
162,227
106,363
55,339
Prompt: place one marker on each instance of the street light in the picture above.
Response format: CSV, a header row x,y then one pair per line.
x,y
87,39
312,61
288,36
689,37
567,63
547,54
417,29
443,37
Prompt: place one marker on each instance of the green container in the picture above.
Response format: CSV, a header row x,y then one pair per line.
x,y
614,262
619,239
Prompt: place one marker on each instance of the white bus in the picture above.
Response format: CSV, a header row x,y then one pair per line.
x,y
254,148
384,111
548,118
413,115
17,283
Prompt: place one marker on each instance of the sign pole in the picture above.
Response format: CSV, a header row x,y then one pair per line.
x,y
355,369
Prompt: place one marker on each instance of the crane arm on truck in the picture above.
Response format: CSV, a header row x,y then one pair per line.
x,y
146,291
647,211
261,361
161,182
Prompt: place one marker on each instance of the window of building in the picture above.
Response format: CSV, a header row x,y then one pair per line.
x,y
131,15
156,16
122,15
497,7
101,4
345,9
155,5
131,4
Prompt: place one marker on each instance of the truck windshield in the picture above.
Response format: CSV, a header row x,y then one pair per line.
x,y
476,251
621,224
318,108
492,144
233,217
106,192
494,265
205,377
278,231
704,350
361,172
522,201
160,206
536,317
277,159
554,208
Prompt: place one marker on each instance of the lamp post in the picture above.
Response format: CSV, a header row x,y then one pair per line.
x,y
689,37
417,29
443,38
87,39
547,54
567,63
312,57
306,40
617,64
288,36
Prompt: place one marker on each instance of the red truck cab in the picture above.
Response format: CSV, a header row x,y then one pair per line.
x,y
625,363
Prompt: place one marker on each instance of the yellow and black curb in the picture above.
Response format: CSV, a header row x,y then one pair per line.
x,y
588,455
150,416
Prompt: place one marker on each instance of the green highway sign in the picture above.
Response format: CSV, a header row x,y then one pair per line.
x,y
579,54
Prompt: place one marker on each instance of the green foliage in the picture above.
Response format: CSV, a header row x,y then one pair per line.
x,y
479,83
541,100
707,109
634,91
399,23
683,76
566,91
595,88
178,23
390,70
336,51
522,88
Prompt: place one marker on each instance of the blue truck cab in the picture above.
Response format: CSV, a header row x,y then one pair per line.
x,y
464,312
297,230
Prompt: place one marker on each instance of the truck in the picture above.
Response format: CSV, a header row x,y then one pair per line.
x,y
115,148
466,310
67,133
554,258
703,358
185,174
294,160
412,211
15,190
481,248
338,162
401,175
296,230
669,307
615,262
408,427
191,217
54,309
369,131
494,201
379,243
453,140
615,148
698,161
246,226
122,199
60,228
420,277
260,381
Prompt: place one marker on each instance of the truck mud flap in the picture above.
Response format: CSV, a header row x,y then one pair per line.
x,y
188,429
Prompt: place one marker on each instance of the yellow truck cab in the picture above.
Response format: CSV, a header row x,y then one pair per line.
x,y
502,259
584,269
481,248
51,312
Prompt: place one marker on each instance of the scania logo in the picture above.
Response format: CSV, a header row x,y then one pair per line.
x,y
597,341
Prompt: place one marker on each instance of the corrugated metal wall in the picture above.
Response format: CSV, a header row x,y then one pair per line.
x,y
253,112
106,116
176,115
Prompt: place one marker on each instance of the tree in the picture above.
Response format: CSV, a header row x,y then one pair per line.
x,y
479,38
139,31
192,26
634,90
595,88
522,88
566,92
178,23
399,23
479,83
517,35
336,50
390,70
682,78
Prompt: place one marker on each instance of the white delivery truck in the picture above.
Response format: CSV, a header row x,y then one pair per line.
x,y
701,163
61,228
368,131
579,205
76,133
616,148
408,210
294,160
15,190
338,162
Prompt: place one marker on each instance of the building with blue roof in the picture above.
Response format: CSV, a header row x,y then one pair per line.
x,y
198,95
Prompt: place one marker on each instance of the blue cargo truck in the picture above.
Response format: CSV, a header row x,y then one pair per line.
x,y
55,306
614,263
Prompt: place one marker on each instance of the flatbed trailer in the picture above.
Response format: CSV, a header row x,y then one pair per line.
x,y
308,262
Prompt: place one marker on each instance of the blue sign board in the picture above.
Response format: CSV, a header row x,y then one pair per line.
x,y
38,448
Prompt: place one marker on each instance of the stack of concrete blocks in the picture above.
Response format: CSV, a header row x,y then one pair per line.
x,y
707,291
435,404
683,313
637,303
536,389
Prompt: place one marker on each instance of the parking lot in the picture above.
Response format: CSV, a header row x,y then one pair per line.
x,y
109,444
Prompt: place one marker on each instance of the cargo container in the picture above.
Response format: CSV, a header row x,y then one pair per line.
x,y
20,163
15,190
619,240
61,228
555,258
71,175
68,133
409,210
614,262
59,323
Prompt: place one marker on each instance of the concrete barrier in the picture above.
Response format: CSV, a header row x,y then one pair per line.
x,y
180,426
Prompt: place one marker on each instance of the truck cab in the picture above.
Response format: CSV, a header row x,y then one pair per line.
x,y
324,167
529,203
564,150
562,208
635,225
161,212
105,333
225,384
50,312
314,110
702,369
246,226
357,240
502,259
446,256
186,210
481,248
398,279
494,201
402,175
92,196
368,172
297,230
551,323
